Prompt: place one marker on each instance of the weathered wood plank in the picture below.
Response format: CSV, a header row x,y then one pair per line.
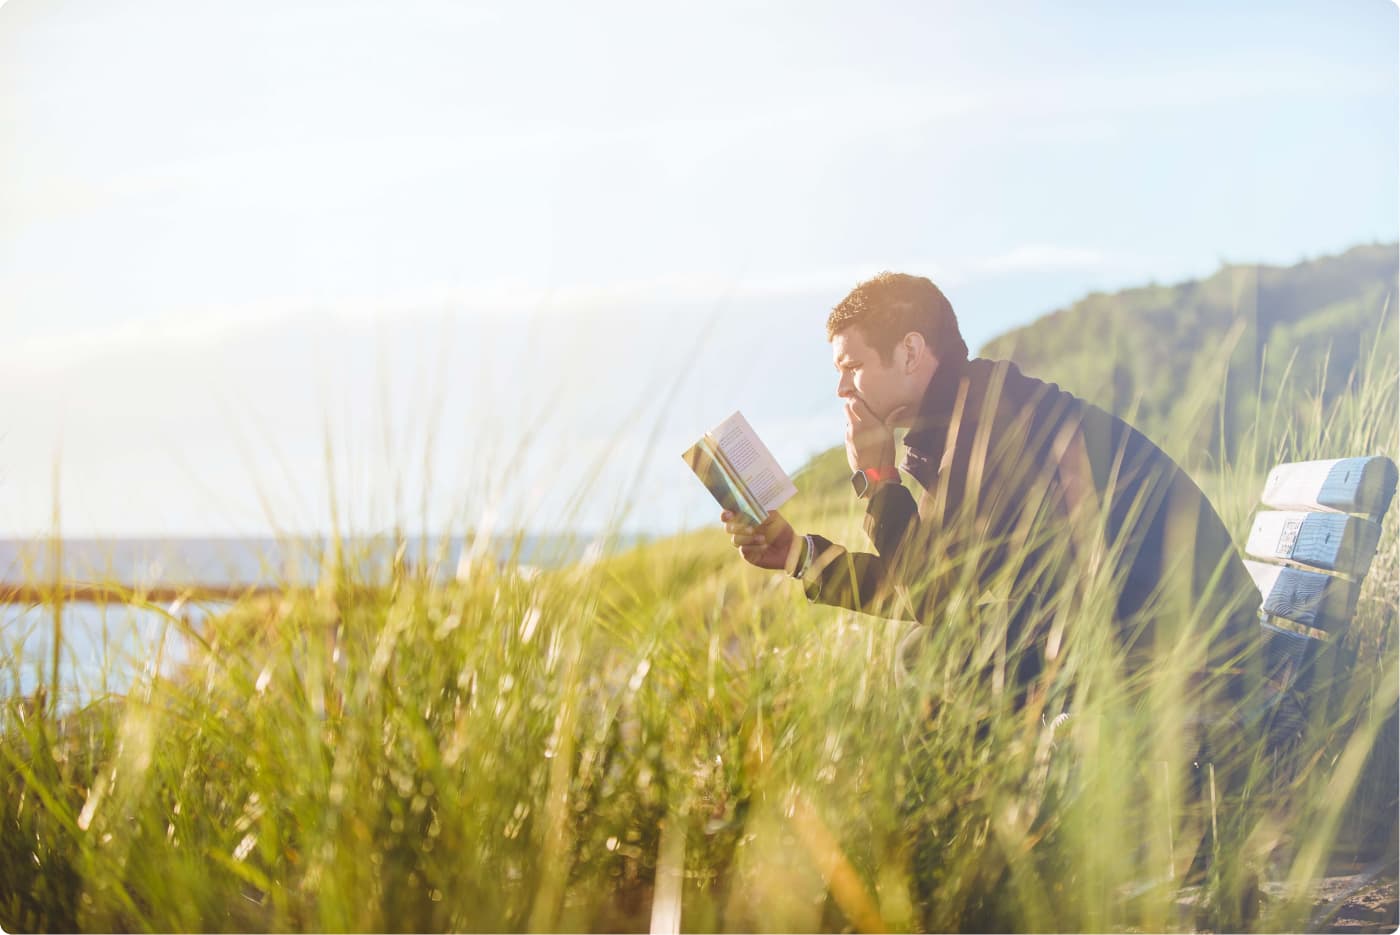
x,y
1333,541
1343,485
1286,654
1310,598
1300,609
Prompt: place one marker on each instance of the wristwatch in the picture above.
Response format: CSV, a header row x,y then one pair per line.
x,y
866,480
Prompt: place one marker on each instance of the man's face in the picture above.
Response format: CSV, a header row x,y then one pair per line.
x,y
887,388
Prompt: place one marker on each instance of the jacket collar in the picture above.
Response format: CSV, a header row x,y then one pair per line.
x,y
926,437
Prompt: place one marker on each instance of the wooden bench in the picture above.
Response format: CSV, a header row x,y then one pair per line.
x,y
1309,551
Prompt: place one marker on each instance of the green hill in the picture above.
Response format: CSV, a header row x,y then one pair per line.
x,y
1246,333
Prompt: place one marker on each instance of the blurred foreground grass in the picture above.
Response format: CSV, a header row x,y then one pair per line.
x,y
507,752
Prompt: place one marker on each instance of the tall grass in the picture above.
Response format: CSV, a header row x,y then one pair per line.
x,y
503,752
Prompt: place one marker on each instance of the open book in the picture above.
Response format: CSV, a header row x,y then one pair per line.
x,y
739,470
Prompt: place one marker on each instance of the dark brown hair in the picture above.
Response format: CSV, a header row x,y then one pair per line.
x,y
891,305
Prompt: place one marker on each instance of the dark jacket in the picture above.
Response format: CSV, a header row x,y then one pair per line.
x,y
1027,490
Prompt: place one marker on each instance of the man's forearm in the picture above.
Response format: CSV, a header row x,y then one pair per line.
x,y
851,580
858,580
838,577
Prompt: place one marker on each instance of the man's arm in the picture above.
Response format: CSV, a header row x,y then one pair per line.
x,y
859,580
828,572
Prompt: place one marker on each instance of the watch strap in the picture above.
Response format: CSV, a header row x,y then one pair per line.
x,y
882,474
866,480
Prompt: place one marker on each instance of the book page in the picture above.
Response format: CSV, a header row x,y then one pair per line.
x,y
753,462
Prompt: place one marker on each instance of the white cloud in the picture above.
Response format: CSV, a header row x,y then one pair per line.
x,y
206,327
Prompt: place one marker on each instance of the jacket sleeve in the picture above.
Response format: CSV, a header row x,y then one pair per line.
x,y
860,580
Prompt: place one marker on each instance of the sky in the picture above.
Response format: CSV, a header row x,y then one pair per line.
x,y
279,266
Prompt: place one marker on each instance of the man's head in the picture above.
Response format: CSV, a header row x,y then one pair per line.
x,y
887,338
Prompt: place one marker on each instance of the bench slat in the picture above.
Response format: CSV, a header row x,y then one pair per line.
x,y
1284,650
1310,598
1344,485
1334,541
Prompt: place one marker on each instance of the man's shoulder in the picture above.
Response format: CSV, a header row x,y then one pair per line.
x,y
1048,401
1017,386
1021,385
990,368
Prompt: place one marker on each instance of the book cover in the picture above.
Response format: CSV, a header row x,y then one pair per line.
x,y
739,471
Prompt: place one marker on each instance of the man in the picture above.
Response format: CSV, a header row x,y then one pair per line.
x,y
1031,499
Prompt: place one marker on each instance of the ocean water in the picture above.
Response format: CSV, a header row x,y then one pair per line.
x,y
106,648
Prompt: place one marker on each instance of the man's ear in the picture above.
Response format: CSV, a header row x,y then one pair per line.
x,y
914,348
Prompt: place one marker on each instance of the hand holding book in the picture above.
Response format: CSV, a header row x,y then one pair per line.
x,y
772,544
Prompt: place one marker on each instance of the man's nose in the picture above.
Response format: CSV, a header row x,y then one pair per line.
x,y
845,387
